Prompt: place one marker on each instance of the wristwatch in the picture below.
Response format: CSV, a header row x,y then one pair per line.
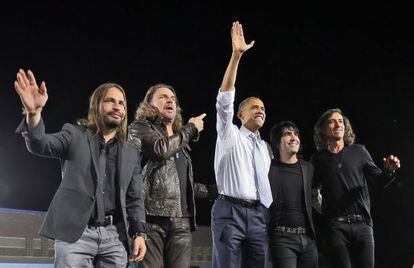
x,y
143,235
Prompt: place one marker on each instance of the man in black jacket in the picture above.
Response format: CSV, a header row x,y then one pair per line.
x,y
168,176
100,197
291,231
342,169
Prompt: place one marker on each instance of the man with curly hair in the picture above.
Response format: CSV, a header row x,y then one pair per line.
x,y
159,132
342,169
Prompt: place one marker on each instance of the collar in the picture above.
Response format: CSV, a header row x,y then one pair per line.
x,y
246,133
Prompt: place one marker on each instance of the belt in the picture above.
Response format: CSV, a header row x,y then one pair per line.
x,y
352,218
239,201
290,230
109,220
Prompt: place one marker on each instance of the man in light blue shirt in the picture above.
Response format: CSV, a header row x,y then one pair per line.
x,y
242,161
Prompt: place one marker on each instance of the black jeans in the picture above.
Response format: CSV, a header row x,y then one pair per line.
x,y
351,244
293,250
168,244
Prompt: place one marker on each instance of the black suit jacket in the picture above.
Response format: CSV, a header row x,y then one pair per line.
x,y
71,207
307,177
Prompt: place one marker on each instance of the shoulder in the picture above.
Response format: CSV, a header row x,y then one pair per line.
x,y
75,129
306,164
138,128
140,123
357,148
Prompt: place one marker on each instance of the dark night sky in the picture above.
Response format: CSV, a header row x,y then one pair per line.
x,y
307,59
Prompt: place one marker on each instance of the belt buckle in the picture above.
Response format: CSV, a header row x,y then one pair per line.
x,y
351,218
109,220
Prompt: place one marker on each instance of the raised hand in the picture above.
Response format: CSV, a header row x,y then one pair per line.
x,y
237,39
32,96
198,122
391,163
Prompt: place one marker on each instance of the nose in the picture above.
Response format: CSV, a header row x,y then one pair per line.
x,y
116,106
170,99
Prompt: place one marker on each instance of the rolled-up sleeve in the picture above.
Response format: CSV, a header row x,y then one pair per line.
x,y
225,113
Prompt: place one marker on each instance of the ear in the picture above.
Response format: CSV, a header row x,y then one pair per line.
x,y
239,115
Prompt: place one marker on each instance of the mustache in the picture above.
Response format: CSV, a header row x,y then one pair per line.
x,y
115,113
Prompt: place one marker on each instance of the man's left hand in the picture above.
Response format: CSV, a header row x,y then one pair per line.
x,y
139,249
391,163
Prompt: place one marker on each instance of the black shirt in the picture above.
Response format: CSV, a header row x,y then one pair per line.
x,y
343,177
181,164
109,192
289,209
109,152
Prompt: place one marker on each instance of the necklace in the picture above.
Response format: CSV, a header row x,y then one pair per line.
x,y
337,158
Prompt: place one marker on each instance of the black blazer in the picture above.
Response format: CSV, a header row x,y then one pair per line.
x,y
73,203
307,176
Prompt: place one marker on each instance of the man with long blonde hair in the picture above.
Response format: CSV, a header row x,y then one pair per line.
x,y
98,206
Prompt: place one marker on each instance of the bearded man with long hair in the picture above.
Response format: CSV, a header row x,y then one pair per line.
x,y
97,214
170,191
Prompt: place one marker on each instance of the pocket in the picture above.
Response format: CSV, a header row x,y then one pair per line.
x,y
221,210
68,214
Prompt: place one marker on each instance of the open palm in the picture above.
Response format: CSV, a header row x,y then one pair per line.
x,y
237,38
32,96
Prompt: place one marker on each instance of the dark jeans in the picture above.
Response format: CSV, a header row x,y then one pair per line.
x,y
239,235
168,244
351,244
293,250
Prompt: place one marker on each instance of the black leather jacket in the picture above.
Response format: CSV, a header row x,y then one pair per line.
x,y
161,181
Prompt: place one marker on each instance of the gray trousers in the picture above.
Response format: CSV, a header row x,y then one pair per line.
x,y
97,247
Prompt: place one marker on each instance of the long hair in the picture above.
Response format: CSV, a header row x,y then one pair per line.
x,y
94,121
147,111
319,130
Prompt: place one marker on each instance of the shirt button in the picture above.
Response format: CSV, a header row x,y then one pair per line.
x,y
93,198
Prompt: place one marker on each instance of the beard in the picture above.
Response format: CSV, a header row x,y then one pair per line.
x,y
111,123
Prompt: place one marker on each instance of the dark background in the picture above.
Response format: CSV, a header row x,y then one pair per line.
x,y
308,57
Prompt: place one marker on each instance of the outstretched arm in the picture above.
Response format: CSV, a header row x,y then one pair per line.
x,y
160,147
31,95
239,47
381,177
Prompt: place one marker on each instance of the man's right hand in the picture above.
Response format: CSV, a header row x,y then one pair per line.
x,y
32,96
198,122
237,39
